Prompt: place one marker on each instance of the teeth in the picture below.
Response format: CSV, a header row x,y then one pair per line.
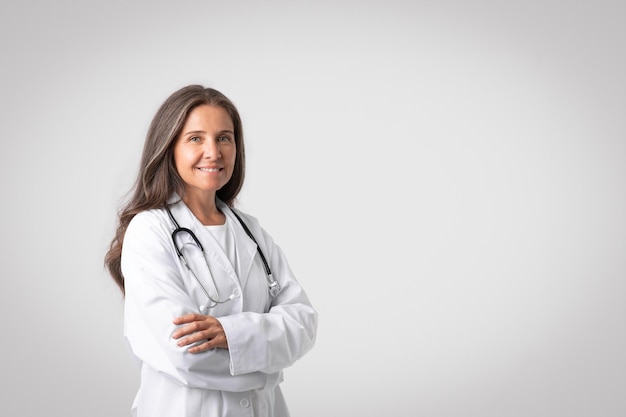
x,y
209,169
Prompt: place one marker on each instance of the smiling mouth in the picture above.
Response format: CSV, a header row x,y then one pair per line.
x,y
210,169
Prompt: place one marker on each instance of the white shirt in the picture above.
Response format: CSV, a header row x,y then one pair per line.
x,y
224,236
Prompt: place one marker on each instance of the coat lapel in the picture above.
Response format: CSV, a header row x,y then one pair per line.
x,y
246,248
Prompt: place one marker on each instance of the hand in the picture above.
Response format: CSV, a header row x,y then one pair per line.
x,y
197,328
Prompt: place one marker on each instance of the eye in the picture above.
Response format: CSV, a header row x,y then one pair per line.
x,y
194,139
224,138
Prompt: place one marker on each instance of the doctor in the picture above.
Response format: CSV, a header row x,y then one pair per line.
x,y
212,312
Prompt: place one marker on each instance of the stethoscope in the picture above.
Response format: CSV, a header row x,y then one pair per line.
x,y
274,287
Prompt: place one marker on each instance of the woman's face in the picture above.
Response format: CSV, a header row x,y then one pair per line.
x,y
205,150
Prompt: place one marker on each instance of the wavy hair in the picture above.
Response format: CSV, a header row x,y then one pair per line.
x,y
158,178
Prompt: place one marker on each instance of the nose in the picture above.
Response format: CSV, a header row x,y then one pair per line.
x,y
212,149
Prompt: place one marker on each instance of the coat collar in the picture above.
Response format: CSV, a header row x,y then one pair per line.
x,y
246,248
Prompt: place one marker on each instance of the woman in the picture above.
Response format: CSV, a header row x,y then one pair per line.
x,y
212,311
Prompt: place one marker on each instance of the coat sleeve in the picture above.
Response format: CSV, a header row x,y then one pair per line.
x,y
271,341
155,295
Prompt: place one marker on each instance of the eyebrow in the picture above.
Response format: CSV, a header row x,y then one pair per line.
x,y
196,132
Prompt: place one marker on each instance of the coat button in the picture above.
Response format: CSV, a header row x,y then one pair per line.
x,y
244,403
237,293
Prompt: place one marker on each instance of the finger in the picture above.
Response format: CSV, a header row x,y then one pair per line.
x,y
191,328
203,347
217,342
214,333
197,332
201,323
186,342
188,318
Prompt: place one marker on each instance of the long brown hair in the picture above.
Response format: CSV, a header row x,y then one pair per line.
x,y
158,179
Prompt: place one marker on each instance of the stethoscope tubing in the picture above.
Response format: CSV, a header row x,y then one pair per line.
x,y
274,287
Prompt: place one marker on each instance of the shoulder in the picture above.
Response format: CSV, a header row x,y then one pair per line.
x,y
250,220
148,236
148,222
253,223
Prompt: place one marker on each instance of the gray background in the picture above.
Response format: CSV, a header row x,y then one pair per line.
x,y
446,178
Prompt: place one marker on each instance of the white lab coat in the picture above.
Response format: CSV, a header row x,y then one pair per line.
x,y
264,335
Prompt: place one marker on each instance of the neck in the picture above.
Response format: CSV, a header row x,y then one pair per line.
x,y
205,209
